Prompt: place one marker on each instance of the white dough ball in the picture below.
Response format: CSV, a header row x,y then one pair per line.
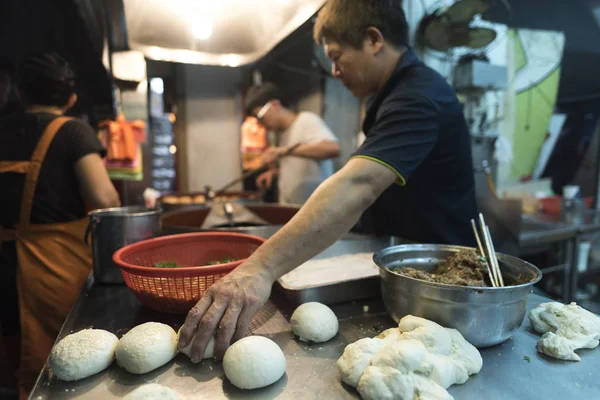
x,y
314,322
147,347
209,352
254,362
152,391
83,354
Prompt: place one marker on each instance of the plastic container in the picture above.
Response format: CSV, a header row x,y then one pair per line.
x,y
583,256
570,191
176,290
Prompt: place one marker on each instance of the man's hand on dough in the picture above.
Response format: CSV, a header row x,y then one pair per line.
x,y
226,310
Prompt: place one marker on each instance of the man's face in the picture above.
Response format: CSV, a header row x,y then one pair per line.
x,y
267,115
354,67
4,88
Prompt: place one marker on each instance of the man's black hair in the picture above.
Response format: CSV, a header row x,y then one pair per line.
x,y
259,95
47,80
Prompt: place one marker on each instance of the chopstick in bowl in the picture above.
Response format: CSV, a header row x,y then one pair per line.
x,y
499,278
483,254
485,231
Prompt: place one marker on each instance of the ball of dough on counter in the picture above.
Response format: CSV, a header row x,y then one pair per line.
x,y
209,352
153,391
314,322
147,347
83,354
254,362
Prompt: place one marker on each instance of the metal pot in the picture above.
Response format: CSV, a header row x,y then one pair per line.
x,y
484,316
167,204
191,219
113,228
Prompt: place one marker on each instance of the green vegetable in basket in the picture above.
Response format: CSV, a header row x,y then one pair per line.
x,y
224,260
166,264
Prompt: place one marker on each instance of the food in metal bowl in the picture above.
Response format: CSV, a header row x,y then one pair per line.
x,y
464,268
485,316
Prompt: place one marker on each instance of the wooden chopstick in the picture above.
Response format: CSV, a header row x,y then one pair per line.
x,y
482,252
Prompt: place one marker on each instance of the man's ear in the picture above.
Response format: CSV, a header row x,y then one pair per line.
x,y
71,102
374,39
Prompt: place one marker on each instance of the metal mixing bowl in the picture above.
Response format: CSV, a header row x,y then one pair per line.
x,y
484,316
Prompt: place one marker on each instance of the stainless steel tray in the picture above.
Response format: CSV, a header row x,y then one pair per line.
x,y
344,290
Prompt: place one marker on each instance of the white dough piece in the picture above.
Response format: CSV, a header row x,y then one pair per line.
x,y
153,391
83,354
147,347
386,383
356,358
565,329
314,322
432,335
389,335
254,362
325,271
418,360
209,352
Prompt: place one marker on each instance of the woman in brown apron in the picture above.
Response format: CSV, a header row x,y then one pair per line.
x,y
53,260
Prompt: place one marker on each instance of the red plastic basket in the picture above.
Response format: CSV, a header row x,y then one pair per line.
x,y
176,290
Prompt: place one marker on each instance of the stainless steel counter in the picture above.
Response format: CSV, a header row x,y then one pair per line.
x,y
540,229
520,231
311,370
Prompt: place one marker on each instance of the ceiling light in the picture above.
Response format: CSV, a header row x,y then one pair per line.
x,y
202,29
157,85
231,60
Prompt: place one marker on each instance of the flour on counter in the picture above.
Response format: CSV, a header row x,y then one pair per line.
x,y
153,391
331,270
565,328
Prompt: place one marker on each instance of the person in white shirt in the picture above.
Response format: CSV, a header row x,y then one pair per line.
x,y
306,146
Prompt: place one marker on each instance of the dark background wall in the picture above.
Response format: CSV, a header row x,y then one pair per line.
x,y
72,28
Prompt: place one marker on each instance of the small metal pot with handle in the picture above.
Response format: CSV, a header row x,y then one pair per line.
x,y
113,228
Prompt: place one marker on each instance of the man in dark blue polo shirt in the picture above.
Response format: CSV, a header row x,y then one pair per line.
x,y
415,126
413,174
